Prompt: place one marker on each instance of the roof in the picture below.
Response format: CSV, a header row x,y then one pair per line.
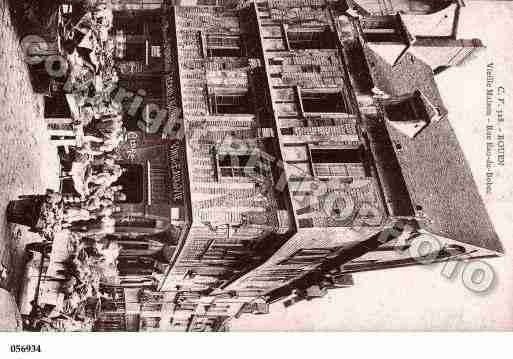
x,y
379,7
437,24
434,167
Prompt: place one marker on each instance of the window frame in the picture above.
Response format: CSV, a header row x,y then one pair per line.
x,y
223,43
240,171
387,26
148,37
335,90
414,105
215,94
320,31
315,171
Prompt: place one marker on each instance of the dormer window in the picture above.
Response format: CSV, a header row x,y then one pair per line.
x,y
411,114
379,29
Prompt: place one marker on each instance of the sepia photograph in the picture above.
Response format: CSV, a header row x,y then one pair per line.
x,y
255,166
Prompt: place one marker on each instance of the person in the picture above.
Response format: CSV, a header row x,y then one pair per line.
x,y
102,106
86,49
104,135
103,17
53,197
108,192
107,225
88,147
102,213
110,165
91,138
96,203
106,178
70,199
80,172
114,140
87,30
120,197
99,161
76,214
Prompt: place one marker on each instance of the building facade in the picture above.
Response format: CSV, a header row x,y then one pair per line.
x,y
279,147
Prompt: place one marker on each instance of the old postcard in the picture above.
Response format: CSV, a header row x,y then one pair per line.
x,y
255,165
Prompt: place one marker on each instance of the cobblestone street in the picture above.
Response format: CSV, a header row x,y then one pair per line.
x,y
29,163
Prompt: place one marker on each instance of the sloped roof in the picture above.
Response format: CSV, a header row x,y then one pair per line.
x,y
434,167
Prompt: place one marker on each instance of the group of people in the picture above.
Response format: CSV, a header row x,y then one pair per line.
x,y
93,78
91,262
93,209
89,212
94,171
85,37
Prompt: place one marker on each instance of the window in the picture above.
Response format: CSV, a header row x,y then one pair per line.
x,y
150,323
336,155
338,162
133,182
381,35
137,4
159,176
145,23
139,37
151,84
136,266
223,46
321,101
237,165
313,38
110,322
151,307
451,250
305,222
407,110
230,103
380,29
128,24
135,51
154,92
156,51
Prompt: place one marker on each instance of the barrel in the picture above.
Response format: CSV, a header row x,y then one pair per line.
x,y
24,211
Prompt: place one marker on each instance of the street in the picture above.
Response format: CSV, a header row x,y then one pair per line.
x,y
29,163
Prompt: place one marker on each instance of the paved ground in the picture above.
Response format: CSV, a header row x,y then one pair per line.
x,y
28,161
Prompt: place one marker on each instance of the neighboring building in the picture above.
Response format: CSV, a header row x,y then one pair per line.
x,y
292,154
426,29
391,7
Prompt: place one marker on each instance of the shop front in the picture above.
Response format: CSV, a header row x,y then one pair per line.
x,y
152,216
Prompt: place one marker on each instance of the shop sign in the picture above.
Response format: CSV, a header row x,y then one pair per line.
x,y
128,150
176,158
